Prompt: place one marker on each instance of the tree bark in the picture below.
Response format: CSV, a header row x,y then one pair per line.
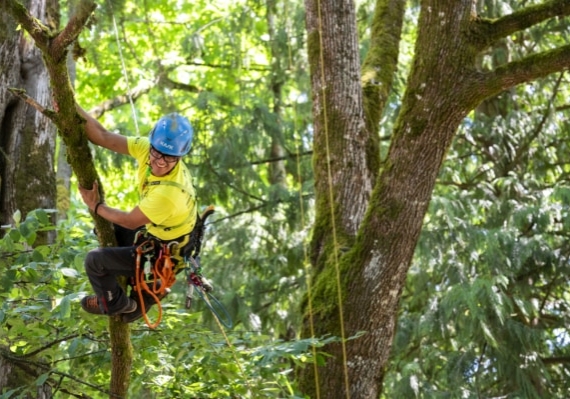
x,y
64,172
368,221
15,374
27,143
27,138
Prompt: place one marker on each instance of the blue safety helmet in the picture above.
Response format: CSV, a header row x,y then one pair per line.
x,y
172,135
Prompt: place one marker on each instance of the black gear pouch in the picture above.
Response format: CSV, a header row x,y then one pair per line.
x,y
125,237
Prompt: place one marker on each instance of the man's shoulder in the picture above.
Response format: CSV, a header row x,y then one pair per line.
x,y
138,145
137,140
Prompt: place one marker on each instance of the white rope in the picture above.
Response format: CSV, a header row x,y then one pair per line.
x,y
124,68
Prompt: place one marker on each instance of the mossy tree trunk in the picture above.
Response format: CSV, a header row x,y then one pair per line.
x,y
64,172
27,138
370,211
54,48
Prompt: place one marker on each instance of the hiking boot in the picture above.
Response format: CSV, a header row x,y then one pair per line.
x,y
91,305
129,307
148,303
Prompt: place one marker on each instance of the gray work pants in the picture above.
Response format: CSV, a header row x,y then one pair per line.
x,y
103,266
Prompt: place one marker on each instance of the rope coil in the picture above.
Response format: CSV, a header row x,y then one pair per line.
x,y
164,277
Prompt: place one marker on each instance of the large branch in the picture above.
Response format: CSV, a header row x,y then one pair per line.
x,y
43,35
71,32
526,70
494,30
38,31
381,62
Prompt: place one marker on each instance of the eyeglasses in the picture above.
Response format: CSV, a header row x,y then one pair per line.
x,y
159,155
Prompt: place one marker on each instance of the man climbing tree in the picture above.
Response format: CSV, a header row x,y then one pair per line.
x,y
167,211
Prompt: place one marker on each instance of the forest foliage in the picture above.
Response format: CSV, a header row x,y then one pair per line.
x,y
485,307
47,334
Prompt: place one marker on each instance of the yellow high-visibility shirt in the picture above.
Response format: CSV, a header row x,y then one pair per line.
x,y
168,201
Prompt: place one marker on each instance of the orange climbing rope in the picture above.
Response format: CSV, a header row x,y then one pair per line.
x,y
164,269
164,276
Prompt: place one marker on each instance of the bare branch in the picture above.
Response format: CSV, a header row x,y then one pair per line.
x,y
165,81
73,28
49,345
29,100
121,99
137,92
283,158
252,67
556,360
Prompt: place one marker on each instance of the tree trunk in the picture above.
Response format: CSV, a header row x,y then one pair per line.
x,y
27,138
18,374
368,221
277,170
64,172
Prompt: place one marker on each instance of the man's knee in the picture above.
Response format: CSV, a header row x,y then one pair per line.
x,y
93,264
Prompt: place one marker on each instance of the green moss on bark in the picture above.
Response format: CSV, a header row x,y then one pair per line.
x,y
30,175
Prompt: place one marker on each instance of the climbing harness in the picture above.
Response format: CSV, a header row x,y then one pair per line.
x,y
163,275
154,279
194,275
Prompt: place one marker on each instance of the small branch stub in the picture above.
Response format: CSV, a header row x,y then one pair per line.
x,y
21,93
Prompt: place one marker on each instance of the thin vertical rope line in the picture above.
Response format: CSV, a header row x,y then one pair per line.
x,y
308,274
124,69
331,201
232,348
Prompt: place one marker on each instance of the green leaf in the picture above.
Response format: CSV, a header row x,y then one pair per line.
x,y
24,230
15,235
17,216
42,379
8,394
65,308
31,238
69,272
8,243
37,256
42,216
78,260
